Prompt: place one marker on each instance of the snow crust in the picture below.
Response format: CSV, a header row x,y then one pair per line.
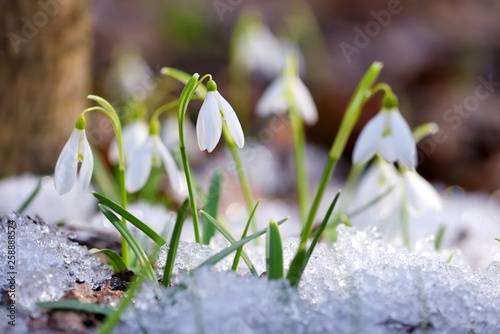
x,y
46,263
361,284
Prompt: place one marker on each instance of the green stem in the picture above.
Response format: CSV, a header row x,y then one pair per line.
x,y
186,96
300,162
305,29
164,108
111,113
381,86
239,76
405,227
289,75
245,186
325,177
123,202
353,111
192,200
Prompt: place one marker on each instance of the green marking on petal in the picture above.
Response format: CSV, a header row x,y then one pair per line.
x,y
156,161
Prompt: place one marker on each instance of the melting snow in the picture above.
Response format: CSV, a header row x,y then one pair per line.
x,y
360,285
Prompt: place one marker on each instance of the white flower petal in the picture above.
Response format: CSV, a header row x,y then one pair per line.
x,y
387,149
405,144
233,124
183,193
260,51
169,164
369,139
133,72
139,167
209,123
273,100
200,131
133,136
305,102
421,195
67,164
87,166
379,177
170,131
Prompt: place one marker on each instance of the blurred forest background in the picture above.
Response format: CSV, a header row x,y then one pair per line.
x,y
442,58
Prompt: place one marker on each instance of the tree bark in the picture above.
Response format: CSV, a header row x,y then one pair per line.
x,y
45,49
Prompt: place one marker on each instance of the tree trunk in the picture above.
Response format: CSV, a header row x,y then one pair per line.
x,y
45,51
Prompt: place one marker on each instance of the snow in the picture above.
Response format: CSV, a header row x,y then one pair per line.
x,y
361,284
15,190
366,282
46,264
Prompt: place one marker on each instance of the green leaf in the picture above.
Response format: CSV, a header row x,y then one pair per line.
x,y
244,235
186,94
214,259
353,110
31,197
321,229
424,130
131,240
299,262
211,207
114,259
131,218
230,238
439,237
183,77
497,239
274,252
75,305
174,243
296,267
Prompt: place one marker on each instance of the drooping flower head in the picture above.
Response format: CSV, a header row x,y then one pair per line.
x,y
132,71
389,135
151,152
379,178
420,194
285,90
133,136
257,48
214,110
76,150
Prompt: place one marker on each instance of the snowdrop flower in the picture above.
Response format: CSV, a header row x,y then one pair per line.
x,y
133,136
133,72
258,50
420,194
274,99
379,177
209,124
152,152
77,150
389,135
